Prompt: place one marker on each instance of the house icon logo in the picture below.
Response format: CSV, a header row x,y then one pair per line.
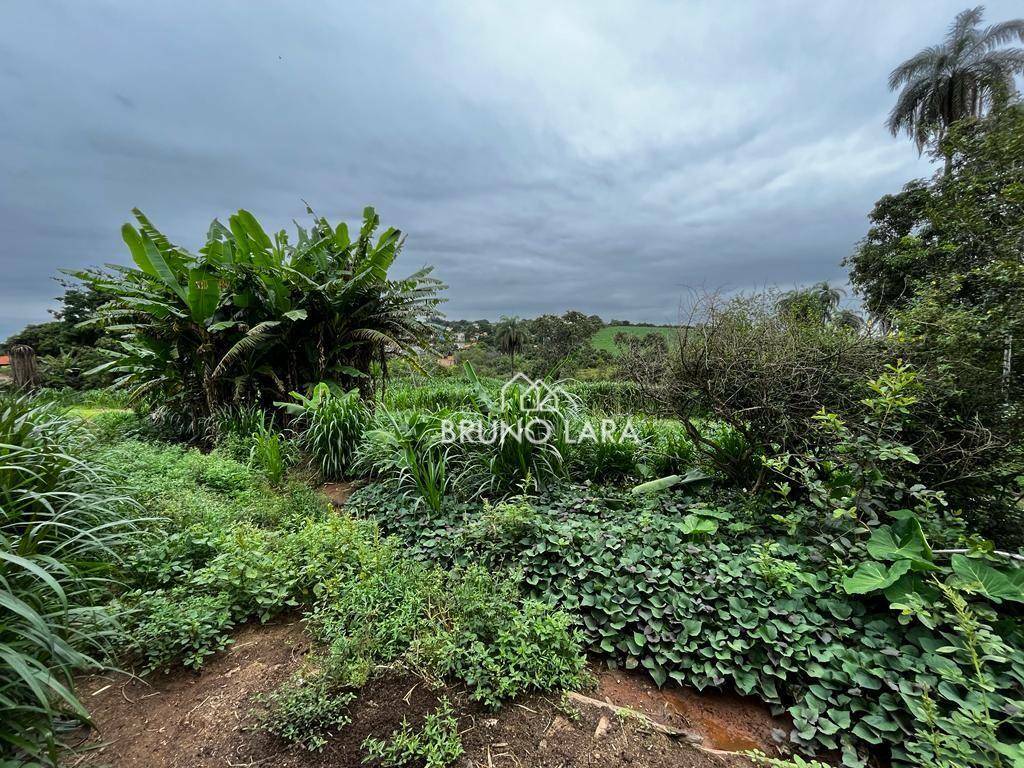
x,y
532,395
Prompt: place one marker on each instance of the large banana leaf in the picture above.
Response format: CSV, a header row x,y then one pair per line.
x,y
149,259
203,294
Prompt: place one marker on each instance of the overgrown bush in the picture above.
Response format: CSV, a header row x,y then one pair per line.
x,y
776,619
758,369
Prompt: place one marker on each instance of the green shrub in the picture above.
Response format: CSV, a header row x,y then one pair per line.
x,y
467,624
502,647
253,569
178,627
307,710
498,524
970,734
436,744
64,527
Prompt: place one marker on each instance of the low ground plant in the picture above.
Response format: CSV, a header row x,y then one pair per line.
x,y
227,548
307,710
435,744
465,624
774,618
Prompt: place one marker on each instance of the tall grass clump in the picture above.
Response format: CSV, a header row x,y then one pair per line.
x,y
64,524
666,447
270,453
330,424
236,422
429,395
524,437
406,447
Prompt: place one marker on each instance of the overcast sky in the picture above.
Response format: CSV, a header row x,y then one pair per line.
x,y
544,156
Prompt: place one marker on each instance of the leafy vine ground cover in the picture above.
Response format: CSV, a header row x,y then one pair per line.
x,y
651,590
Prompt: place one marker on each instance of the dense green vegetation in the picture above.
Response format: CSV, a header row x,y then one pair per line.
x,y
251,318
780,497
65,530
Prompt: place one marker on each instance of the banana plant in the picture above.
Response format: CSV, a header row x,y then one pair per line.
x,y
253,316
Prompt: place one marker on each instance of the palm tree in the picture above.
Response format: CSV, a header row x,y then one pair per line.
x,y
965,75
510,337
817,303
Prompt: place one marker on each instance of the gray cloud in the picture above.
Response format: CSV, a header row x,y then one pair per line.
x,y
543,156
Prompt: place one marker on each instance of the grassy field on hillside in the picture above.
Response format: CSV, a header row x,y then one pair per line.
x,y
605,337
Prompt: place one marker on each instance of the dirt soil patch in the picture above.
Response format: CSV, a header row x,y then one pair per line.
x,y
724,721
338,493
200,720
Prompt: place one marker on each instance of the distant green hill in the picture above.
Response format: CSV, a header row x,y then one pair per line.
x,y
605,337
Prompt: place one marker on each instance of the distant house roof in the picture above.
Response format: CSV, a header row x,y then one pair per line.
x,y
5,359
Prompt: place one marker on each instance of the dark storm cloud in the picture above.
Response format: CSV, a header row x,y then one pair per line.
x,y
543,156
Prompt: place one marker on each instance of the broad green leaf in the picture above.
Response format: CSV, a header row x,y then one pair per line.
x,y
341,238
870,577
149,259
296,314
902,540
695,524
254,230
203,294
986,580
